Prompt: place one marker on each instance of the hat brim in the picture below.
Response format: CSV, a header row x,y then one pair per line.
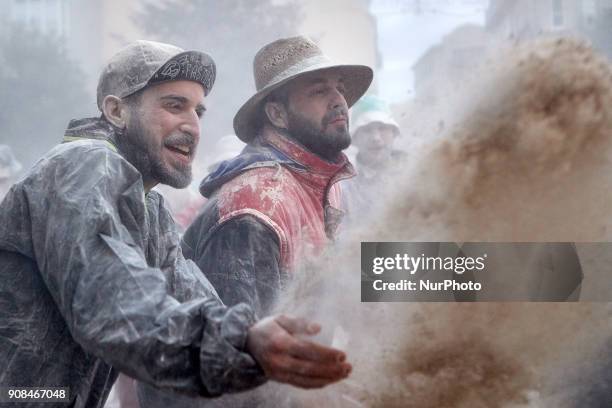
x,y
357,80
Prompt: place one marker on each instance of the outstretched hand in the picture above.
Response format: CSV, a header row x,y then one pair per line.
x,y
286,358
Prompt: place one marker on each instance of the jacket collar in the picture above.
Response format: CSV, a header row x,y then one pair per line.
x,y
90,128
310,168
271,149
303,157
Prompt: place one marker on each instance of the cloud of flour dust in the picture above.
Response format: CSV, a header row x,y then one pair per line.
x,y
528,160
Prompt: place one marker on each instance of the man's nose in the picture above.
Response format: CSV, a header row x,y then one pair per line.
x,y
377,138
191,125
338,100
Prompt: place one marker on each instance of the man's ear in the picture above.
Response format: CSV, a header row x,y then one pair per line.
x,y
277,114
115,111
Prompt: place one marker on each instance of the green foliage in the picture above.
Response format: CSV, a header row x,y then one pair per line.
x,y
231,31
41,91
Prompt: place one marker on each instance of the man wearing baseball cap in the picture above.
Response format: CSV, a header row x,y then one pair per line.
x,y
93,280
277,203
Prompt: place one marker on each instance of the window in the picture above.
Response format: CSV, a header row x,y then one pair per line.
x,y
48,16
557,13
589,10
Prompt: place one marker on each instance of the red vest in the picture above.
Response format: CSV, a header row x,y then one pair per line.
x,y
302,206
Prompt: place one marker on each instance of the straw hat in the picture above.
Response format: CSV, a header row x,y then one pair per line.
x,y
284,60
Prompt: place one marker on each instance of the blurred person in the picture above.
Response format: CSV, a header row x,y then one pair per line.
x,y
93,279
9,169
278,203
374,135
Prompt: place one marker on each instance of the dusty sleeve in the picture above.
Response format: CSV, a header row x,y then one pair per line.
x,y
242,261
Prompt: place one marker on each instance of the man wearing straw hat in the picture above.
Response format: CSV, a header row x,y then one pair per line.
x,y
277,203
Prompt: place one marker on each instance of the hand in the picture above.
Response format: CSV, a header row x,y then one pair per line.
x,y
286,358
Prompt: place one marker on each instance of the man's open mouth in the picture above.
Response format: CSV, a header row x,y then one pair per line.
x,y
185,151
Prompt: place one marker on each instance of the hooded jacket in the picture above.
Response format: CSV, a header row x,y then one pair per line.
x,y
273,206
94,281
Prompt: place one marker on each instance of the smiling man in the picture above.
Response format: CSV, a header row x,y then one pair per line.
x,y
93,278
161,131
277,203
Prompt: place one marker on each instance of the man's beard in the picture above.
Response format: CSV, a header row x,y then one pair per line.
x,y
138,147
318,138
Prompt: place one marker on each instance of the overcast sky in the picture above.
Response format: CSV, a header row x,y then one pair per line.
x,y
407,28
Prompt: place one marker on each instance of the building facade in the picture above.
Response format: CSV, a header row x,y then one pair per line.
x,y
527,19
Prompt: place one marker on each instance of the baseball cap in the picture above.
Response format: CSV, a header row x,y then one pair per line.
x,y
144,63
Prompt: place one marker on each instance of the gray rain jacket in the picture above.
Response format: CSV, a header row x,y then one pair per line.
x,y
92,280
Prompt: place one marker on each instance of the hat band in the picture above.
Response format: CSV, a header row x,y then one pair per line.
x,y
309,64
189,66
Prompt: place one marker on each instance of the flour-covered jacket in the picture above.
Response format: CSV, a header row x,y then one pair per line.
x,y
270,208
92,280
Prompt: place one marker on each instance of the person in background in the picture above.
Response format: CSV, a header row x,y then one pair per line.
x,y
374,133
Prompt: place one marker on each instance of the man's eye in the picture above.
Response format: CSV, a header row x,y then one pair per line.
x,y
173,106
200,113
342,90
